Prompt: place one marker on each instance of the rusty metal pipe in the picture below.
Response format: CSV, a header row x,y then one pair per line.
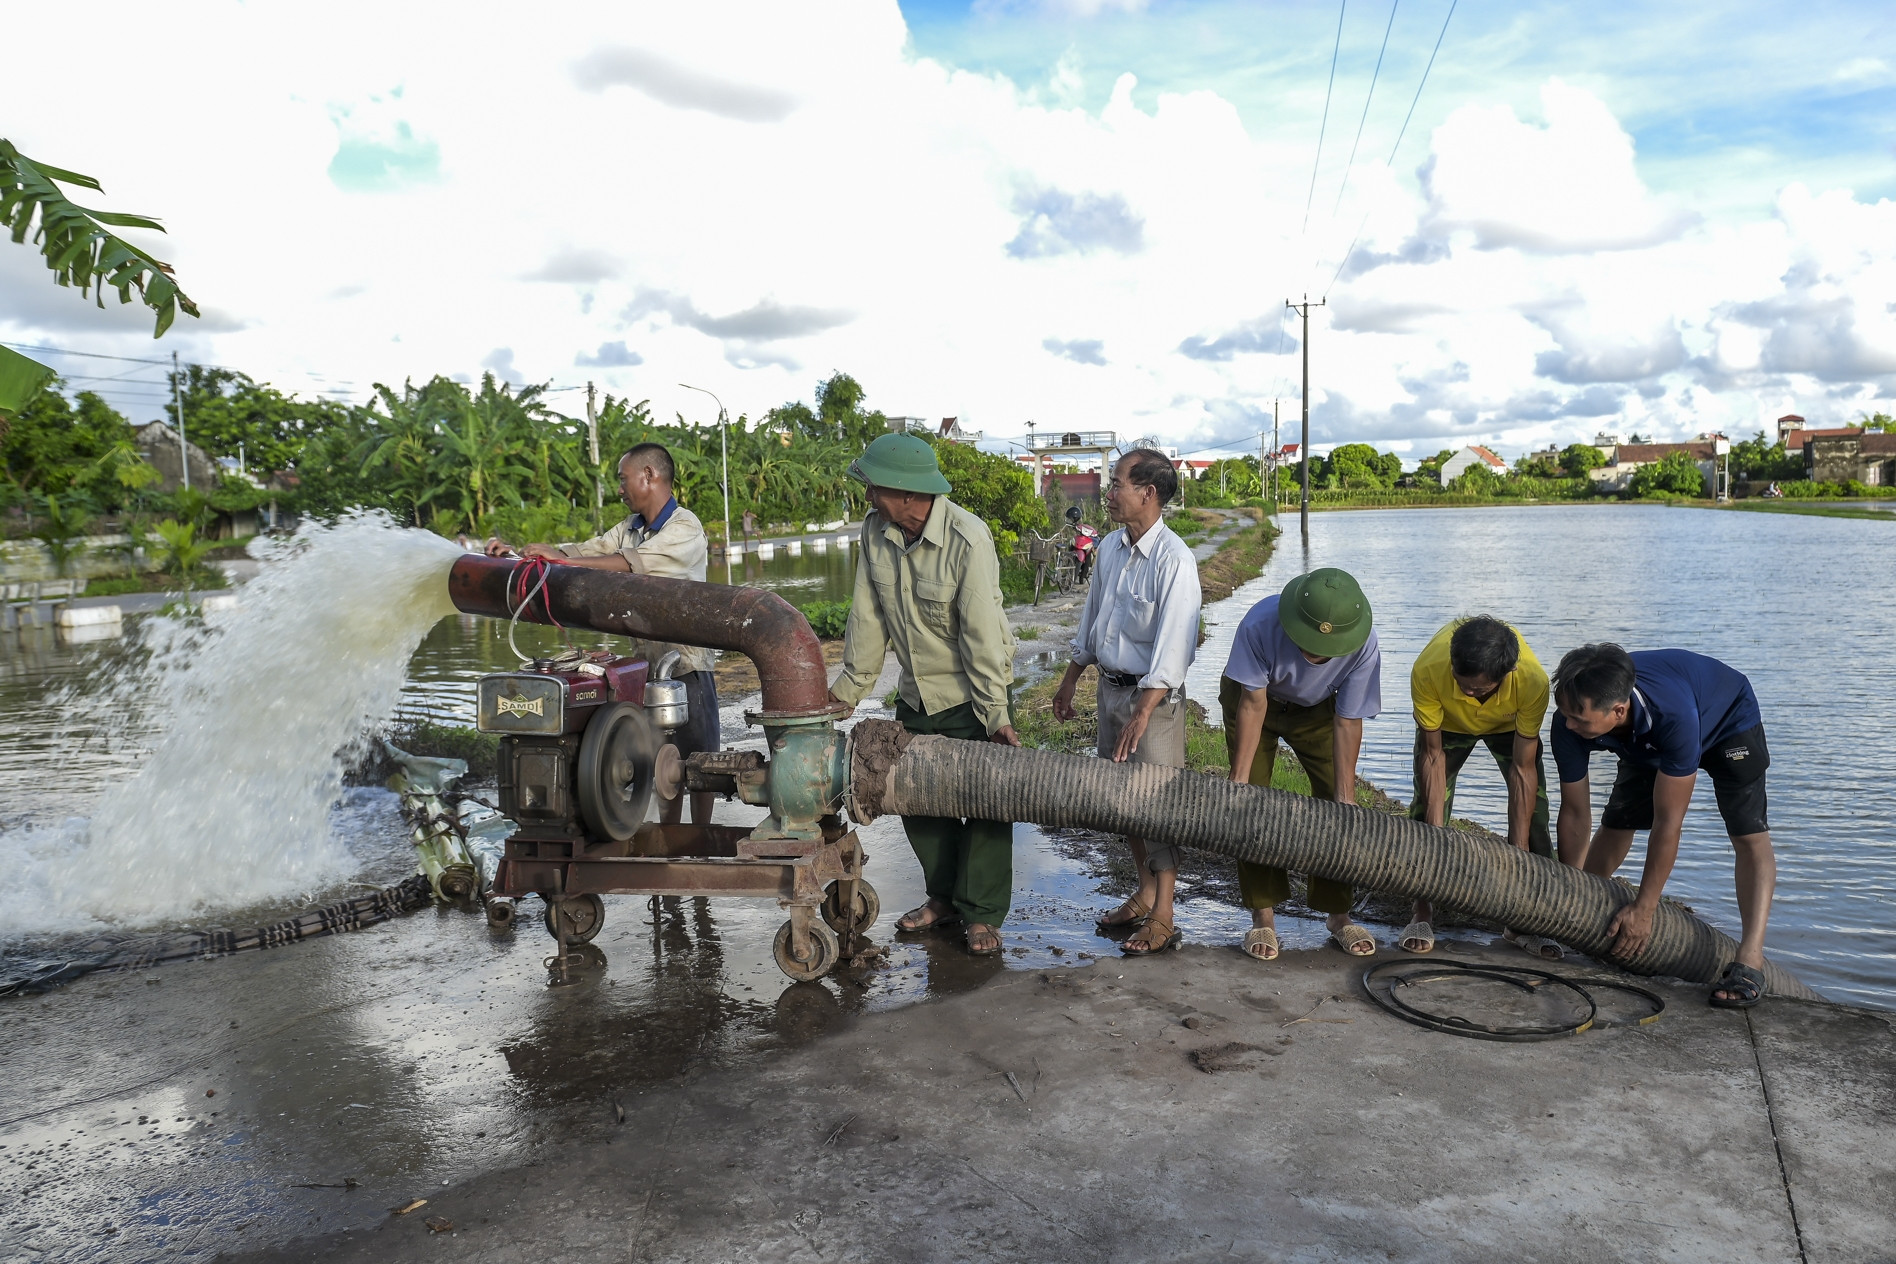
x,y
758,624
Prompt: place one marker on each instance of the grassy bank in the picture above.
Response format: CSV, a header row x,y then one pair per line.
x,y
1814,508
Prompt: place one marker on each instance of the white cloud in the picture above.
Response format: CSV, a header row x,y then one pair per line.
x,y
1568,187
782,193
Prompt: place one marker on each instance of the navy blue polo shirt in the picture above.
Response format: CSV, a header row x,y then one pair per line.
x,y
1684,704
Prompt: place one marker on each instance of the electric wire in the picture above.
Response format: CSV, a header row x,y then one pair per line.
x,y
1325,124
1371,96
1403,131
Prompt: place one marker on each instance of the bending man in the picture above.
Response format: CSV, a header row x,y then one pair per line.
x,y
1477,683
1140,628
1667,714
660,537
1305,668
928,586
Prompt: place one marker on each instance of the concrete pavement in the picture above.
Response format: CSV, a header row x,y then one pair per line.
x,y
1175,1109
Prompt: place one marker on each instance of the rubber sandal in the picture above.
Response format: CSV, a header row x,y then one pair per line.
x,y
1417,930
1351,935
1155,934
1536,946
1746,982
977,928
1140,913
910,921
1264,937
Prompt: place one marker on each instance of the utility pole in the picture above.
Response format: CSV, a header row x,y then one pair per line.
x,y
1303,449
177,402
1271,462
592,446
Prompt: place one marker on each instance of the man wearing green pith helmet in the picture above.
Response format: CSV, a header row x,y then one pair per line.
x,y
928,586
1306,669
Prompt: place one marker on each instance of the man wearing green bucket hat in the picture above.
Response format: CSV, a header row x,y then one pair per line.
x,y
928,586
1306,669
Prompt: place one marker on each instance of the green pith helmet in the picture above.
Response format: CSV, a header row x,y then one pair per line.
x,y
1325,613
900,462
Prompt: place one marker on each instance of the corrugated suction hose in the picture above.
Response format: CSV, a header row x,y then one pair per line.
x,y
893,771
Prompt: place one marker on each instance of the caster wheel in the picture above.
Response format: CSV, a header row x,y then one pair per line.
x,y
585,914
825,951
867,909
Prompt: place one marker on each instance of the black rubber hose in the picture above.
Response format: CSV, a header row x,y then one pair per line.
x,y
893,771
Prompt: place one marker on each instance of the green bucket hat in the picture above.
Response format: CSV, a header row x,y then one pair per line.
x,y
1325,613
900,462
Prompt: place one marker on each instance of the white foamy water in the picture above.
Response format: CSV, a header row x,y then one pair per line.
x,y
244,721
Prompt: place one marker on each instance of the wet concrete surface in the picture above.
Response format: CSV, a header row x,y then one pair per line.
x,y
1203,1106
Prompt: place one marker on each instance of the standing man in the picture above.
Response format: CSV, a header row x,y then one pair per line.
x,y
662,538
1305,668
928,586
1667,714
1140,627
1477,682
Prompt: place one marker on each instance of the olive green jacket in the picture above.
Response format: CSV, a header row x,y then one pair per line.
x,y
937,603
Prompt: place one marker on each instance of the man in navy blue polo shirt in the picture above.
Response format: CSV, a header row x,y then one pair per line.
x,y
1667,714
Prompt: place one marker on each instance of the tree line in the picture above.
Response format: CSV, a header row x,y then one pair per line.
x,y
480,459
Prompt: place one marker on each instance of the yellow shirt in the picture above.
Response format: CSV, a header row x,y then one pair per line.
x,y
1519,704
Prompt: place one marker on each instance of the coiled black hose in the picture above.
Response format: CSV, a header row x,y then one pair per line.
x,y
893,771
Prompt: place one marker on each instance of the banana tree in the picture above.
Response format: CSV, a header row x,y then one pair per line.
x,y
76,242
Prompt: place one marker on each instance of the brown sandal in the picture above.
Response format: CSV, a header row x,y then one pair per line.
x,y
1155,934
930,914
982,931
1134,905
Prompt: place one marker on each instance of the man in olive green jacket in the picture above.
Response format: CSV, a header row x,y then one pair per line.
x,y
928,587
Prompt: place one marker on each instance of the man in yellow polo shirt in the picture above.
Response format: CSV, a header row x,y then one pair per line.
x,y
1479,682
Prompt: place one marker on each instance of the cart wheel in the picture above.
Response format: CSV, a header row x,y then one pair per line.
x,y
867,909
585,914
825,953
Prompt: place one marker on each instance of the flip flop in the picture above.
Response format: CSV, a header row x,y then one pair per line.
x,y
1417,930
976,928
1264,937
1349,936
1536,946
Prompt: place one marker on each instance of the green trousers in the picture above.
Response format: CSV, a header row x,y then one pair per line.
x,y
1456,747
1311,733
966,863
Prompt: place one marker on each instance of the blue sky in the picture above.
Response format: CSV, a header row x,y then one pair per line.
x,y
1085,213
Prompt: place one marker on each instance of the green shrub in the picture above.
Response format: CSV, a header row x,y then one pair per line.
x,y
828,619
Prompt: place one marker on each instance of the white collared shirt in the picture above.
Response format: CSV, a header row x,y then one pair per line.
x,y
1141,615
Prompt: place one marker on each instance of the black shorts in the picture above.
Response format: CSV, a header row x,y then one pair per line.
x,y
701,730
1736,766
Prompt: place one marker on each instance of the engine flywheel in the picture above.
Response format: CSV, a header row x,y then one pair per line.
x,y
616,758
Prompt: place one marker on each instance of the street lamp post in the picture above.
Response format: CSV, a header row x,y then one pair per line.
x,y
724,446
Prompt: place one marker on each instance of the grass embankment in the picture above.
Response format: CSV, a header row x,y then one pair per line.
x,y
1816,509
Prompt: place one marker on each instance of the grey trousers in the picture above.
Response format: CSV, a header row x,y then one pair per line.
x,y
1163,743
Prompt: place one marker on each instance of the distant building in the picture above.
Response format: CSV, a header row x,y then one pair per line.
x,y
1603,440
1624,458
158,444
1549,454
1868,458
1787,423
1462,461
1796,440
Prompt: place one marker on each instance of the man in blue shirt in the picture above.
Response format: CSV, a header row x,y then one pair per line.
x,y
1667,714
1305,669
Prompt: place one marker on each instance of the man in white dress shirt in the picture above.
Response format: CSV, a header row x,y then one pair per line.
x,y
1140,627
